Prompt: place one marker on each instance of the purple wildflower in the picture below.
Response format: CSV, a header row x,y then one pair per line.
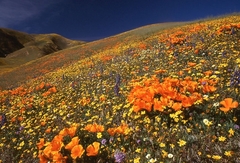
x,y
138,141
233,31
21,128
104,141
236,127
3,120
235,79
116,90
175,54
101,70
119,156
111,139
224,53
118,79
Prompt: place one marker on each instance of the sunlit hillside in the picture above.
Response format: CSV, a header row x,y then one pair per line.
x,y
18,48
162,93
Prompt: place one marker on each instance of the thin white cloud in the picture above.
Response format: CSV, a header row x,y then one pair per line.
x,y
16,11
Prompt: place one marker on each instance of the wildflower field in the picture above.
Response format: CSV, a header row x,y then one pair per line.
x,y
170,96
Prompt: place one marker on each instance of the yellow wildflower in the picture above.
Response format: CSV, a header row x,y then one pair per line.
x,y
172,146
222,138
228,153
231,132
209,156
181,142
216,157
199,153
138,150
136,160
164,154
162,145
99,135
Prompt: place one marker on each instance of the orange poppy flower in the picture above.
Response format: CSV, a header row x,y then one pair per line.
x,y
43,123
208,73
46,94
40,86
22,110
161,71
58,157
121,129
68,131
202,61
148,95
57,143
47,151
191,64
48,130
209,88
71,131
177,106
94,128
73,143
102,98
63,132
111,131
42,158
77,151
187,101
52,90
171,62
196,51
41,143
142,46
13,119
20,118
228,104
180,73
92,149
141,105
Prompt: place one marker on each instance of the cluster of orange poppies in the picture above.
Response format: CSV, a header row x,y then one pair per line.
x,y
49,91
94,128
46,86
177,37
122,129
19,91
106,58
53,148
228,28
171,93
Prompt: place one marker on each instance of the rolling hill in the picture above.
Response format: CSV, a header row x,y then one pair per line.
x,y
17,48
18,72
160,93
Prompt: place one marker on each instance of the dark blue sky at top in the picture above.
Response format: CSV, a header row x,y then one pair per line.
x,y
90,20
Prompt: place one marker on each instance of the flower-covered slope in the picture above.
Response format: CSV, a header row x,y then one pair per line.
x,y
170,97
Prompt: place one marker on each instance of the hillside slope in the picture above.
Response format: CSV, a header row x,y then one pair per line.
x,y
17,48
68,56
168,96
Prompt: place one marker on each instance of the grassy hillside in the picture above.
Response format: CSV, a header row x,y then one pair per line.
x,y
18,48
170,94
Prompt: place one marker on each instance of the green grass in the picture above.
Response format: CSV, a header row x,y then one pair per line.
x,y
119,86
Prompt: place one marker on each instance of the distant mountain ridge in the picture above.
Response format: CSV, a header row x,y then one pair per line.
x,y
17,48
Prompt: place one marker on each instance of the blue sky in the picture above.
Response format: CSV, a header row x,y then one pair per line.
x,y
90,20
